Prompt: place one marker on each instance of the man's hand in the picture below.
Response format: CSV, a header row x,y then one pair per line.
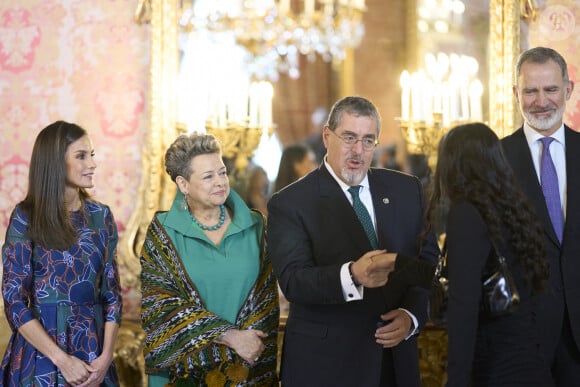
x,y
372,269
397,327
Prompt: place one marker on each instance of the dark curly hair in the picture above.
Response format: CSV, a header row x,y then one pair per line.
x,y
471,167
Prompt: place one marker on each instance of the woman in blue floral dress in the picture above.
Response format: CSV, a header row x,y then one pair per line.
x,y
60,282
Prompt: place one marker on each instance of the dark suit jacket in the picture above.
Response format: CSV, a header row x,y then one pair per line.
x,y
312,231
564,284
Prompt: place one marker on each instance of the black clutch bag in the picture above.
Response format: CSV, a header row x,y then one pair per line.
x,y
499,294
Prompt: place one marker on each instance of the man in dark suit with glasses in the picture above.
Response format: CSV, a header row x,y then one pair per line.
x,y
334,238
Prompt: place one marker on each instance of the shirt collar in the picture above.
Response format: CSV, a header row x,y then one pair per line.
x,y
179,218
532,136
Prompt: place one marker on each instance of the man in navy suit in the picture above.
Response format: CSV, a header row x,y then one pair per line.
x,y
542,89
352,321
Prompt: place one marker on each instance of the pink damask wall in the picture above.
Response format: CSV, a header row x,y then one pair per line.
x,y
81,61
557,25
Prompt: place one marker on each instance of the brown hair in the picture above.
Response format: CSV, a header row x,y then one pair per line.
x,y
49,220
356,106
185,147
291,155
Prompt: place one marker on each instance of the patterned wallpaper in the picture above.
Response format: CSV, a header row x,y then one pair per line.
x,y
557,25
81,61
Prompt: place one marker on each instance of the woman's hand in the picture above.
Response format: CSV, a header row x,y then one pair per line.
x,y
247,343
74,370
99,366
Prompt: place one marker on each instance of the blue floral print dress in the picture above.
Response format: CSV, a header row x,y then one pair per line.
x,y
72,293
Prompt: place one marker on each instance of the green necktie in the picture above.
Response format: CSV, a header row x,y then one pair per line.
x,y
363,216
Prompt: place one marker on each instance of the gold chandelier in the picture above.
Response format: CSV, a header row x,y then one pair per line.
x,y
443,94
230,51
276,32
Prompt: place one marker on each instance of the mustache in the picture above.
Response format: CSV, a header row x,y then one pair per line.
x,y
543,109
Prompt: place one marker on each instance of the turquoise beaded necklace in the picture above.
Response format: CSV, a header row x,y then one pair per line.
x,y
214,227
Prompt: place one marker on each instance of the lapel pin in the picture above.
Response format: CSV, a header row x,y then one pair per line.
x,y
386,200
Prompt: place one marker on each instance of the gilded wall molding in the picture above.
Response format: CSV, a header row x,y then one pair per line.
x,y
156,190
504,47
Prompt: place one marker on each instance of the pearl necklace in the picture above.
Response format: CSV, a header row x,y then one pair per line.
x,y
216,226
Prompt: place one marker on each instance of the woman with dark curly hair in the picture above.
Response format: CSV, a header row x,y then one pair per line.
x,y
487,210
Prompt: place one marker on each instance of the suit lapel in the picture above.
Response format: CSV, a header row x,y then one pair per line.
x,y
524,169
572,181
384,210
337,212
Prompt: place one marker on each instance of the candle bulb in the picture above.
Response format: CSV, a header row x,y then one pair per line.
x,y
308,7
254,101
446,104
405,82
475,93
464,97
426,91
284,7
268,122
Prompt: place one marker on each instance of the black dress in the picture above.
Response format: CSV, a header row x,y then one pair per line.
x,y
484,351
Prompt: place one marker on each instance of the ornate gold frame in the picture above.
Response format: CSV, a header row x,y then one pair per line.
x,y
157,190
504,48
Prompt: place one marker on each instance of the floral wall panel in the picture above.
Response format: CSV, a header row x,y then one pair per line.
x,y
80,61
557,25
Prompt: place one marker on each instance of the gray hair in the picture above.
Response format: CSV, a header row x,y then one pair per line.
x,y
356,106
542,55
185,147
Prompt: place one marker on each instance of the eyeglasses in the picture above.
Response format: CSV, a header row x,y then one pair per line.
x,y
368,143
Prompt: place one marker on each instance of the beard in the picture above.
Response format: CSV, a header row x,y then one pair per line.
x,y
352,177
544,124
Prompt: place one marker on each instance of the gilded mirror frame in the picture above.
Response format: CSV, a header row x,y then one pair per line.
x,y
157,190
504,48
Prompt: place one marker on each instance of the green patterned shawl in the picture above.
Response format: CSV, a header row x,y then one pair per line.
x,y
181,332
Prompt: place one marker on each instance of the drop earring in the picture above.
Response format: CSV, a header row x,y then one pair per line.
x,y
184,204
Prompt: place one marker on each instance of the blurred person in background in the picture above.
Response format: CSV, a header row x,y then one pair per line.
x,y
297,161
